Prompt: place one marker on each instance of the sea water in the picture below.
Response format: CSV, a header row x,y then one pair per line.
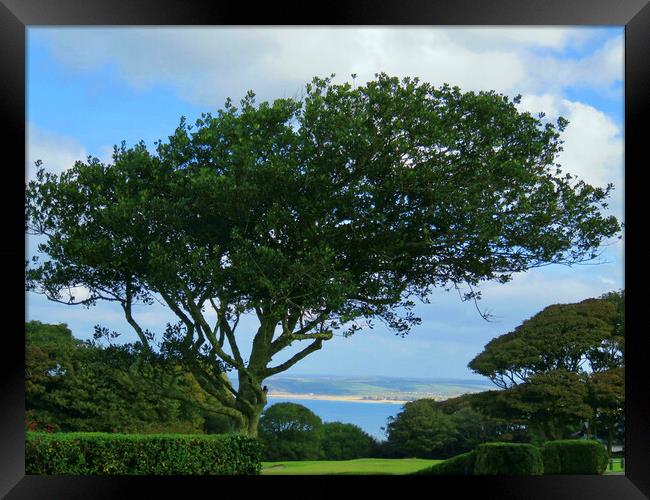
x,y
371,417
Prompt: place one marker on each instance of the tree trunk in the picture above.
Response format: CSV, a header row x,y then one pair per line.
x,y
253,421
610,438
250,402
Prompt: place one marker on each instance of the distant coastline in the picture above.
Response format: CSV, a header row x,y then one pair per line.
x,y
332,397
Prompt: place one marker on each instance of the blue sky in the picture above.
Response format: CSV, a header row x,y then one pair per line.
x,y
91,88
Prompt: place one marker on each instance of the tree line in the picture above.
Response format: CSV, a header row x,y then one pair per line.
x,y
559,374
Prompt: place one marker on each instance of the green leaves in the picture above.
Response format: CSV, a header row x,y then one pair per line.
x,y
562,336
290,431
421,430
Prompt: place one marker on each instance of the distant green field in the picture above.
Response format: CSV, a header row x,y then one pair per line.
x,y
359,466
375,386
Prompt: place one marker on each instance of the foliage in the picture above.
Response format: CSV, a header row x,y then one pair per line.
x,y
561,368
72,385
460,465
345,442
468,426
561,337
290,431
574,456
475,427
311,213
420,430
218,424
606,396
82,453
551,458
554,403
509,459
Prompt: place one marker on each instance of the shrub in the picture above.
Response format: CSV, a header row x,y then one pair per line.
x,y
290,431
420,430
345,442
509,459
551,459
460,465
574,456
89,453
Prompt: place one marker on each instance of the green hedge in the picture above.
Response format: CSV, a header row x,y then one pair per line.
x,y
508,459
459,465
574,456
89,453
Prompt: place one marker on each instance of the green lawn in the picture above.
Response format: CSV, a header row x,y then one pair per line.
x,y
617,467
359,466
363,466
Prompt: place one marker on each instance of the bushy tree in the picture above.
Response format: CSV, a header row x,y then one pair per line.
x,y
310,214
606,397
561,337
553,403
561,368
420,430
72,385
290,431
346,442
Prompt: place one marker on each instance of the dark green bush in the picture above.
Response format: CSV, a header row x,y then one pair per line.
x,y
551,459
289,431
574,456
345,442
89,453
508,459
459,465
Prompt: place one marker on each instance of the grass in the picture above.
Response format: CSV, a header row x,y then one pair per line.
x,y
368,466
617,466
359,466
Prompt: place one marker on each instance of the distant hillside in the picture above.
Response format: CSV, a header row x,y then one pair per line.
x,y
375,387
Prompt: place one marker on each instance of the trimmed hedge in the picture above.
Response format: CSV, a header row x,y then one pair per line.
x,y
90,453
574,456
460,465
508,459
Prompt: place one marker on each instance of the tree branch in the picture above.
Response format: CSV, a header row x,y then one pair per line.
x,y
126,306
224,327
314,346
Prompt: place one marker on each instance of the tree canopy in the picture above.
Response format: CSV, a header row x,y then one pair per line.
x,y
291,431
420,430
562,336
562,368
315,214
342,441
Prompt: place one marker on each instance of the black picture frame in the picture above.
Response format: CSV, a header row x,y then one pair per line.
x,y
17,15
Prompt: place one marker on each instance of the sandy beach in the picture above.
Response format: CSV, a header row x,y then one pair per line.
x,y
327,397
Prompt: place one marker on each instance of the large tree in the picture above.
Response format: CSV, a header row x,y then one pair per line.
x,y
313,214
572,337
561,368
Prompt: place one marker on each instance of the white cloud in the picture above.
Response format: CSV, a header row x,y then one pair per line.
x,y
599,70
205,65
593,143
76,293
541,288
56,151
